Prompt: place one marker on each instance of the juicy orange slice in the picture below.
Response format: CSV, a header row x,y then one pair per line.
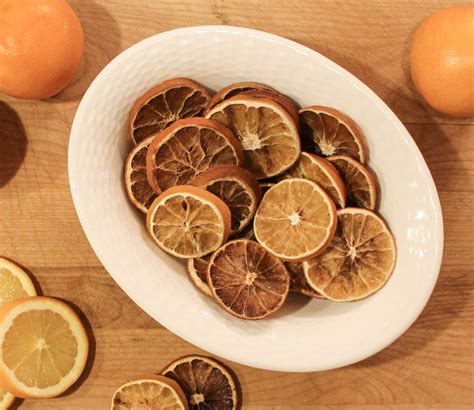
x,y
246,280
233,89
206,383
14,282
321,171
298,282
43,347
360,183
268,134
188,222
188,147
296,219
237,187
151,392
326,131
6,400
358,261
164,104
197,270
138,189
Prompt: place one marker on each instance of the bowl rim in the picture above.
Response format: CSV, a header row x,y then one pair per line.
x,y
234,356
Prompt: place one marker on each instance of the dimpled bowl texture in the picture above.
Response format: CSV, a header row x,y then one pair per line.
x,y
305,335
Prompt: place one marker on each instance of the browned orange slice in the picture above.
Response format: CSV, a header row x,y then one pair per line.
x,y
138,189
361,186
246,280
326,131
233,89
298,282
296,219
197,270
188,147
268,134
188,222
164,104
207,384
321,171
237,187
358,261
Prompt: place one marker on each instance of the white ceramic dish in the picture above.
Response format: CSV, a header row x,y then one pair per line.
x,y
303,336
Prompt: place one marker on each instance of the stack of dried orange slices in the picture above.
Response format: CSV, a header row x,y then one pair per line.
x,y
259,197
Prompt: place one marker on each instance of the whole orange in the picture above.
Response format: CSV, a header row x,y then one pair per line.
x,y
442,61
41,44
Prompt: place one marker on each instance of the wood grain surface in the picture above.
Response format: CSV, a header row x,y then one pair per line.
x,y
430,367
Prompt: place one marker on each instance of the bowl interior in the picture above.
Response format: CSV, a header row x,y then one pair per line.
x,y
305,335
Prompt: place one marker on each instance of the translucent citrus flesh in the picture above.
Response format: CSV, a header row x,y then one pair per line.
x,y
270,145
167,107
324,135
146,394
308,168
187,225
39,348
139,186
247,280
360,187
190,151
295,219
205,384
298,282
358,261
11,288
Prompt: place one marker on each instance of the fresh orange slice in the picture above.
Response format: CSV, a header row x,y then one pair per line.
x,y
358,261
326,131
361,186
206,383
296,219
188,147
164,104
298,282
43,347
150,392
237,187
14,282
138,188
246,280
268,134
197,270
284,101
321,171
188,222
233,89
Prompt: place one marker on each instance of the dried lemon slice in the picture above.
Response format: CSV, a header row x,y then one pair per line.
x,y
268,134
358,261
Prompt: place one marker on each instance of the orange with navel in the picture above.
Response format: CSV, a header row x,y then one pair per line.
x,y
442,61
41,44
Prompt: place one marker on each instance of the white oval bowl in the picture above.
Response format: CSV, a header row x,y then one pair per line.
x,y
303,336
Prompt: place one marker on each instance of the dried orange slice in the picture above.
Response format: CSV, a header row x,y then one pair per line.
x,y
361,186
188,147
298,282
296,219
150,392
137,186
246,280
233,89
164,104
188,222
43,347
357,262
197,270
206,383
268,134
326,131
14,282
6,400
321,171
237,187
